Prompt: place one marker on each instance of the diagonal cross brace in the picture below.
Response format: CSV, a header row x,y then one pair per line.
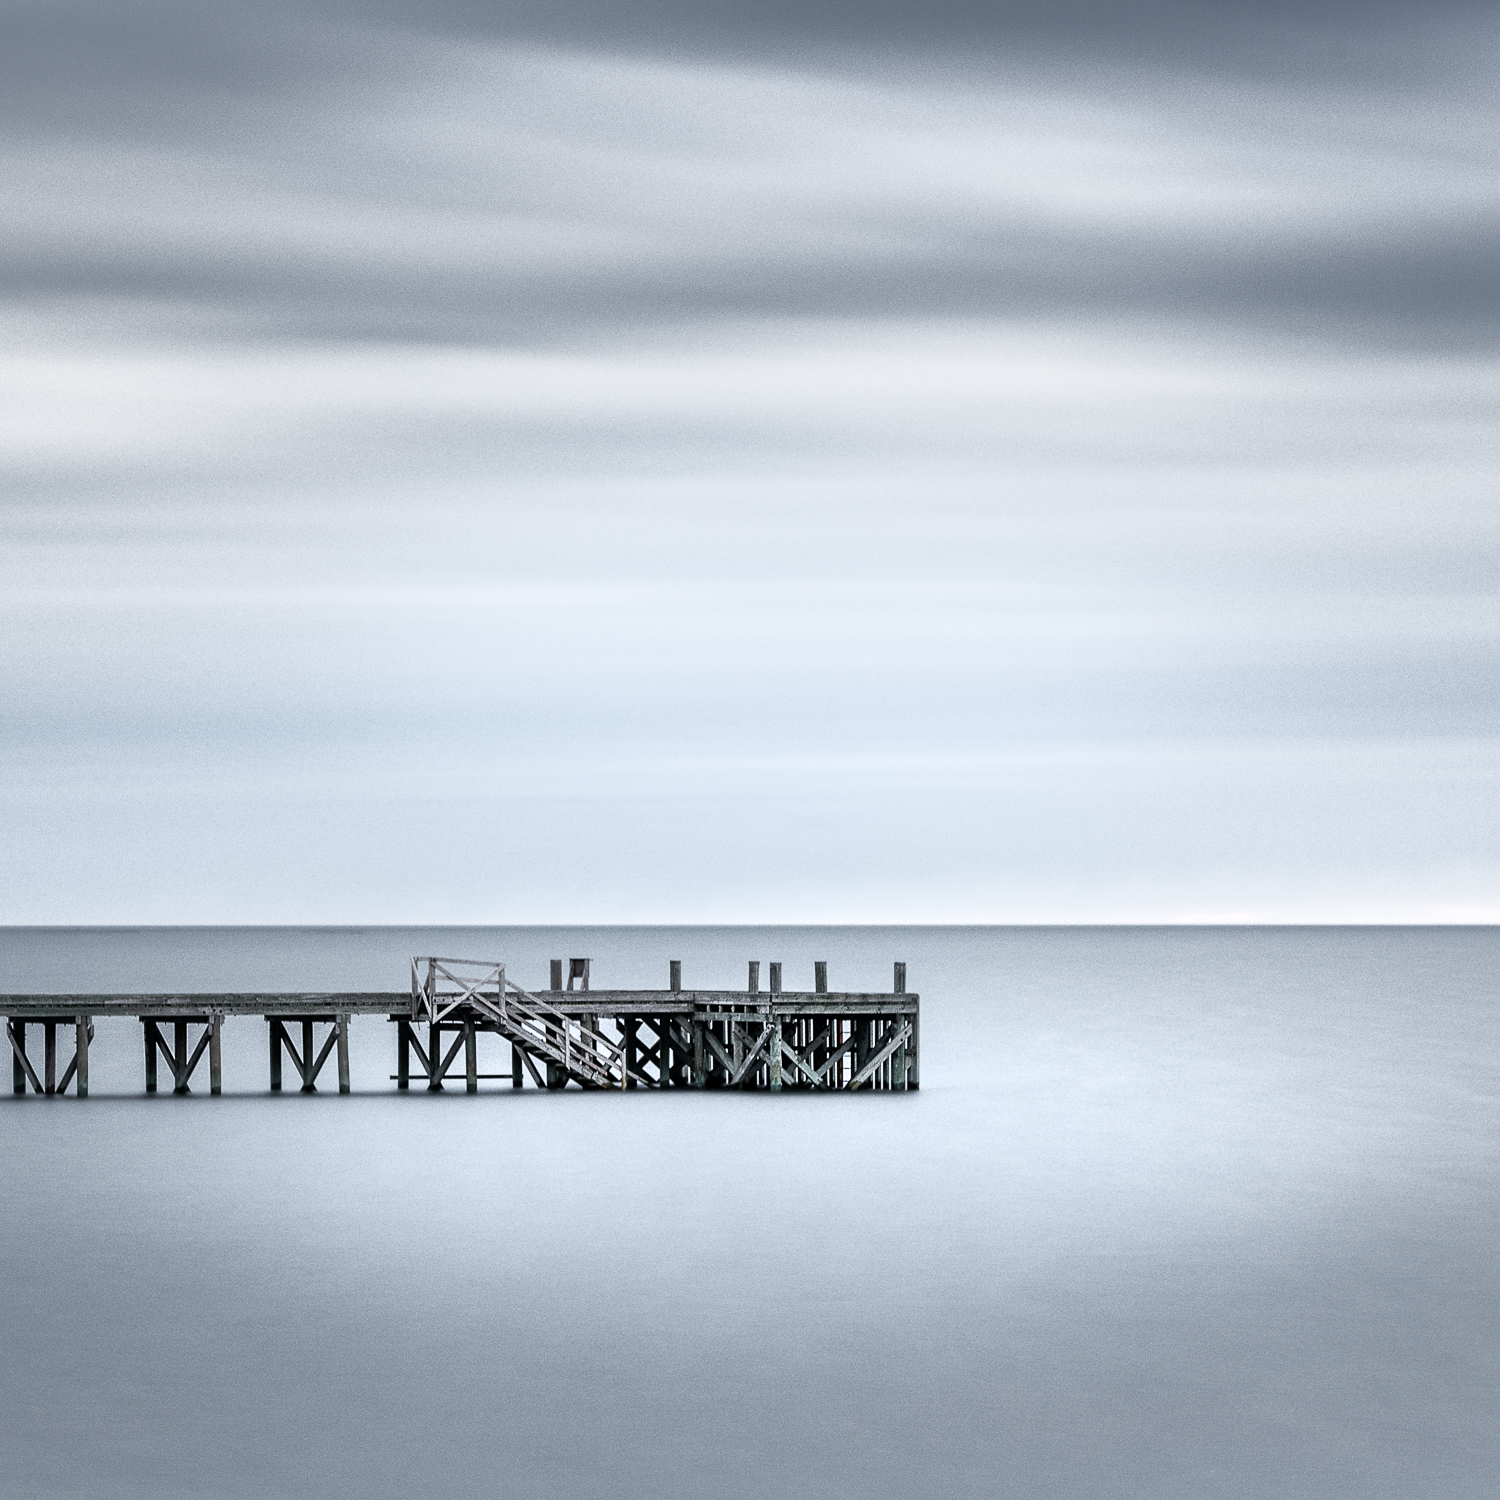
x,y
15,1046
901,1034
766,1032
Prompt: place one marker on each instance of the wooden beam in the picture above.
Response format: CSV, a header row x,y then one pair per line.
x,y
899,1035
531,1068
753,1053
179,1057
447,1061
81,1054
16,1030
215,1056
342,1023
190,1063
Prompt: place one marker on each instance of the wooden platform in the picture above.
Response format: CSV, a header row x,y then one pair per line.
x,y
566,1034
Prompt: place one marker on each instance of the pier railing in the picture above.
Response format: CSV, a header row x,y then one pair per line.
x,y
568,1033
442,986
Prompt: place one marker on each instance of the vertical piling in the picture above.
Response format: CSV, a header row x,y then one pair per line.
x,y
342,1022
516,1070
309,1057
215,1056
81,1052
471,1058
820,976
434,1058
179,1057
754,981
403,1054
17,1051
148,1030
674,972
899,984
49,1057
555,978
275,1030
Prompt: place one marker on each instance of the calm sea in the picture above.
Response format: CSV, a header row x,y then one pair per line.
x,y
1177,1213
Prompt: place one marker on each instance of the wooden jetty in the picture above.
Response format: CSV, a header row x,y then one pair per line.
x,y
567,1034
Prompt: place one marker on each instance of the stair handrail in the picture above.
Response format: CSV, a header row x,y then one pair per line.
x,y
591,1055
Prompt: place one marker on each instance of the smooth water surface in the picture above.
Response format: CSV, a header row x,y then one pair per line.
x,y
1177,1213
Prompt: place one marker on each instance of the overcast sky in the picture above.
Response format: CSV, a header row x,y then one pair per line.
x,y
759,462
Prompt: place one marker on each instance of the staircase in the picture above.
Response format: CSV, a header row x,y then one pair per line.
x,y
439,986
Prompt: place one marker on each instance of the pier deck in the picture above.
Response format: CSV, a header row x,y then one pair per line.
x,y
566,1034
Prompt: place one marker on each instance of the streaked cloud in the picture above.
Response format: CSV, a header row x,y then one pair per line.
x,y
1049,468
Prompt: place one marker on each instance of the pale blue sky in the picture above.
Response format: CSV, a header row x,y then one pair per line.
x,y
554,471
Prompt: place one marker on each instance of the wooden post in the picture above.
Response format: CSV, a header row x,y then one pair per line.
x,y
556,976
776,979
179,1057
49,1057
900,980
434,1057
914,1054
148,1030
471,1058
754,984
403,1054
700,1049
309,1085
342,1022
81,1052
773,1025
674,971
215,1056
820,976
17,1049
632,1051
275,1030
517,1072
